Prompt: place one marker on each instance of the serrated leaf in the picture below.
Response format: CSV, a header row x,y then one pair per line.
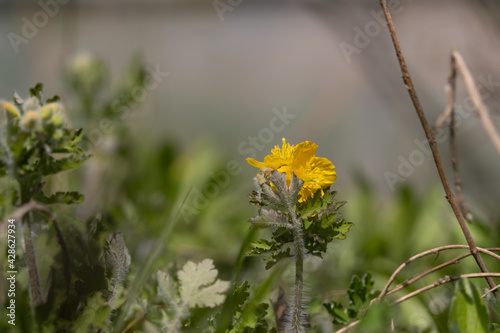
x,y
117,257
277,257
61,197
360,294
468,312
94,315
240,296
166,288
340,315
199,286
50,165
262,245
340,229
315,204
269,218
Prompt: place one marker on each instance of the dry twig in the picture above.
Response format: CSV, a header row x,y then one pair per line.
x,y
443,280
432,143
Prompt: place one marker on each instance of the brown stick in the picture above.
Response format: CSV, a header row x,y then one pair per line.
x,y
406,283
432,143
481,109
428,252
443,280
489,291
453,149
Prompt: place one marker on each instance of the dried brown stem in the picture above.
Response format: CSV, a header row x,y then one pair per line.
x,y
432,143
444,280
489,291
345,328
406,283
453,148
429,252
481,109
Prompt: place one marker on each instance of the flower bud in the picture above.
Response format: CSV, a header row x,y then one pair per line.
x,y
46,112
58,134
57,120
11,109
30,120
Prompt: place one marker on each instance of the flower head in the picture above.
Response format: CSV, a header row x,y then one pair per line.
x,y
316,172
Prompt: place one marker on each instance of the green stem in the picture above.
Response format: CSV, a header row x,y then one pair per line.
x,y
36,295
296,313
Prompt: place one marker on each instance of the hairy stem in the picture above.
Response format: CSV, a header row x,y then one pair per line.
x,y
36,295
296,312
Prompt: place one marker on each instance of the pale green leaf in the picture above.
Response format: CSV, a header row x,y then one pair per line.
x,y
198,284
166,287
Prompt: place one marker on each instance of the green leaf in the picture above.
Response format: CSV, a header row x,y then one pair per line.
x,y
360,294
468,311
199,285
56,98
49,165
339,314
166,288
263,246
278,256
315,204
94,315
240,296
37,91
61,197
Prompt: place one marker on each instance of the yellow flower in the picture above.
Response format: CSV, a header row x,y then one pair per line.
x,y
316,172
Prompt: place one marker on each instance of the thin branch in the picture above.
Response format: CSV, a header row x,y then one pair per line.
x,y
432,143
133,322
489,291
428,252
453,149
476,99
444,280
351,325
450,101
430,271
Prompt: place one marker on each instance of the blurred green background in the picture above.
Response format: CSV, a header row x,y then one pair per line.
x,y
232,83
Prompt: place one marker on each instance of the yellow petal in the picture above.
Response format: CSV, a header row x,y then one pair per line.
x,y
303,153
255,163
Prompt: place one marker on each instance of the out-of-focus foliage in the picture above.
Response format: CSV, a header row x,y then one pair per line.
x,y
137,190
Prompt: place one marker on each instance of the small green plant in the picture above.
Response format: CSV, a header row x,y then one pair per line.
x,y
294,200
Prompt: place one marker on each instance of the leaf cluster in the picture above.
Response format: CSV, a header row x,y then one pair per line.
x,y
30,153
360,294
318,216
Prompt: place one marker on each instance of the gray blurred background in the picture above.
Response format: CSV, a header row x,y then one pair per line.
x,y
330,64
